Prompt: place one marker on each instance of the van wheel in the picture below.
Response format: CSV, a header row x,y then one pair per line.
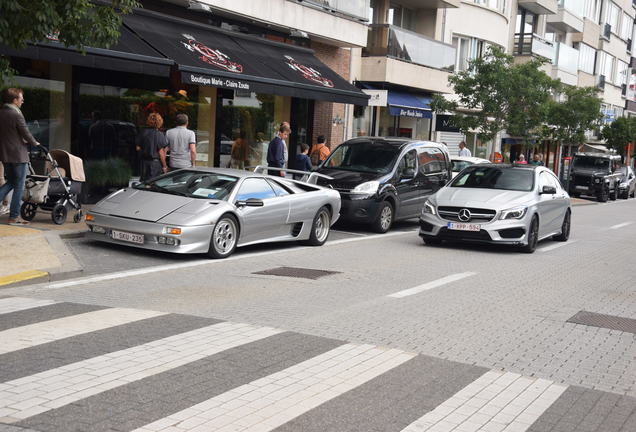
x,y
383,223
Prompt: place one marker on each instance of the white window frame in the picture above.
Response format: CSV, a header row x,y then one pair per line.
x,y
621,73
626,27
591,10
611,16
606,66
587,56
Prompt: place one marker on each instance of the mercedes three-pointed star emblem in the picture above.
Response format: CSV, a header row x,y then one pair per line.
x,y
464,215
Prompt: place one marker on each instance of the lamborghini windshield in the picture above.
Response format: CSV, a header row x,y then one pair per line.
x,y
194,184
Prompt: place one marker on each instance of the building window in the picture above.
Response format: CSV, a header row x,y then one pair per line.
x,y
611,16
591,10
605,65
400,16
499,5
587,55
467,49
627,27
621,73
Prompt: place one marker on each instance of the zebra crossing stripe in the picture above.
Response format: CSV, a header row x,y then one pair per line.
x,y
48,331
496,401
15,304
272,401
54,388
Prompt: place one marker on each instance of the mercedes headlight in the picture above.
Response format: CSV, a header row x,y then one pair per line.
x,y
428,208
514,213
366,189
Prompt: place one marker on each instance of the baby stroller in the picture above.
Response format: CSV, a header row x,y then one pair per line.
x,y
58,190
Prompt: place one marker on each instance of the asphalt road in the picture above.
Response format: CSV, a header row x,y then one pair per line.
x,y
471,337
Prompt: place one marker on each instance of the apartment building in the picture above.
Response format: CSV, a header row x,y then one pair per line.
x,y
414,45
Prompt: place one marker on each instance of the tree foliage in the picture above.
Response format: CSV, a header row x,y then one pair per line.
x,y
569,118
78,23
620,132
499,95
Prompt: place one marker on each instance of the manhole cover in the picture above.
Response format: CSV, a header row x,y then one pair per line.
x,y
604,321
297,272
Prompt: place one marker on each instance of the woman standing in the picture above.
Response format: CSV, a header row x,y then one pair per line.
x,y
151,145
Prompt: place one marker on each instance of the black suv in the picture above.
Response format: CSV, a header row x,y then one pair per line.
x,y
381,180
596,174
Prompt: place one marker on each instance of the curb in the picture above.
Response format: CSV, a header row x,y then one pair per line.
x,y
30,276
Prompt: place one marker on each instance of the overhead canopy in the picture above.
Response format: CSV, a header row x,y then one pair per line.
x,y
409,105
211,56
129,54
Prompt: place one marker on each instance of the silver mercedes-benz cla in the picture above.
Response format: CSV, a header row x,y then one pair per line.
x,y
506,204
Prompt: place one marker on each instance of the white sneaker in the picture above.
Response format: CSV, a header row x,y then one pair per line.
x,y
4,209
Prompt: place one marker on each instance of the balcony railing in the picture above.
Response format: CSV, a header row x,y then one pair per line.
x,y
532,44
567,58
354,8
395,42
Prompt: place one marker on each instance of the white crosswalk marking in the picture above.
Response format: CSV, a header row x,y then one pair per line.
x,y
495,402
34,394
272,401
15,304
48,331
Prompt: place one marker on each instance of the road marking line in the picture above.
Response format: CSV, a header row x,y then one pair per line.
x,y
15,304
43,332
494,401
22,276
430,285
272,401
24,397
180,266
555,246
351,233
620,225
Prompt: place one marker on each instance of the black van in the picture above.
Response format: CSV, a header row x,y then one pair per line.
x,y
381,180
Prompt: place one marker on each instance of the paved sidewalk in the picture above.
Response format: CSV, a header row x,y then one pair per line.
x,y
37,252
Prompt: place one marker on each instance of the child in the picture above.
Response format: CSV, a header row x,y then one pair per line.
x,y
302,161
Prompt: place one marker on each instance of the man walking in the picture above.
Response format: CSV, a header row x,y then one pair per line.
x,y
463,151
276,150
182,143
14,143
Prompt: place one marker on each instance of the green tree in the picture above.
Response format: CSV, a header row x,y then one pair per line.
x,y
619,133
569,118
498,95
78,23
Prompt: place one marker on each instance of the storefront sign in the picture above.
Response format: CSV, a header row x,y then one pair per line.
x,y
215,82
377,97
443,123
409,112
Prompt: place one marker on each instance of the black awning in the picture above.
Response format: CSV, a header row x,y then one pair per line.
x,y
211,56
129,54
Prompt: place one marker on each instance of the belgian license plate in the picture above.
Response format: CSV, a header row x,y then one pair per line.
x,y
127,237
580,187
463,226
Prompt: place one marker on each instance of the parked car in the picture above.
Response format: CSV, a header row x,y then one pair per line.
x,y
458,163
627,187
503,204
596,174
214,210
382,180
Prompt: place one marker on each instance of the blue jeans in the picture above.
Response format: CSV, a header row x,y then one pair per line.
x,y
16,176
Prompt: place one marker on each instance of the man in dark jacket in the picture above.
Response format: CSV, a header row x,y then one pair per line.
x,y
276,150
14,143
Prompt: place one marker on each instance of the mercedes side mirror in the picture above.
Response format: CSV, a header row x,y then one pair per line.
x,y
548,190
250,202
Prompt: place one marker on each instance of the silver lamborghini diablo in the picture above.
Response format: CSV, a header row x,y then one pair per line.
x,y
214,210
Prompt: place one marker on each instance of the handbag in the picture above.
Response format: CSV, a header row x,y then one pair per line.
x,y
36,189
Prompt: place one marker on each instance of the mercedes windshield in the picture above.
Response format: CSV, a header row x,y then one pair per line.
x,y
503,178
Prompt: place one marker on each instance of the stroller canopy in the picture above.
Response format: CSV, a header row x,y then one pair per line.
x,y
73,165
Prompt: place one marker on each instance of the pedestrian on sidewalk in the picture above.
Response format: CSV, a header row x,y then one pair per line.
x,y
15,139
320,151
151,145
183,144
276,150
521,159
302,161
463,151
4,207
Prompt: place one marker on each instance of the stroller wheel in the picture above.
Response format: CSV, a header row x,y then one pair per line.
x,y
28,210
77,217
58,214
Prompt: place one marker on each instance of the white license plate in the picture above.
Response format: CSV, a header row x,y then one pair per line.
x,y
463,226
580,187
127,237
